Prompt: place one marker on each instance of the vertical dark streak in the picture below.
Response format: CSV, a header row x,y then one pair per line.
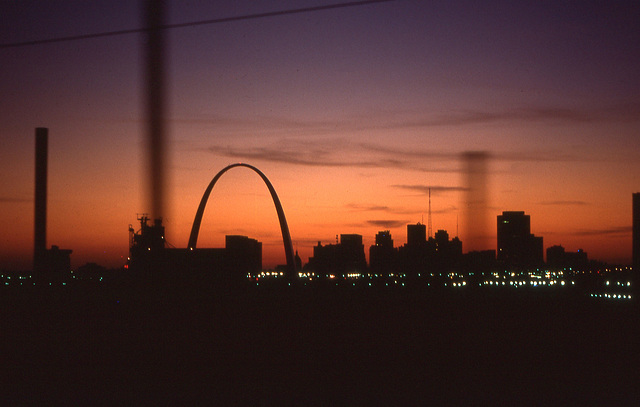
x,y
155,104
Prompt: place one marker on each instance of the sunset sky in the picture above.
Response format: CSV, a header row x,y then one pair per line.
x,y
352,113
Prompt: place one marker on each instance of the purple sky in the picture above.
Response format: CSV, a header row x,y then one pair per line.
x,y
336,103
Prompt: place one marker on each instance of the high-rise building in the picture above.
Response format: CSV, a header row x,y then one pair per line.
x,y
445,254
517,247
382,255
636,233
242,254
558,258
383,239
416,234
352,249
341,258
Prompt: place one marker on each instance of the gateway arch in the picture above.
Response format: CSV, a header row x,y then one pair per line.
x,y
286,236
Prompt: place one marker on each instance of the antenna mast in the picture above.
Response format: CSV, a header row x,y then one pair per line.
x,y
430,230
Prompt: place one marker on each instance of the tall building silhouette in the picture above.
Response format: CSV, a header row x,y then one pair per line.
x,y
636,233
152,258
339,259
382,255
558,258
517,247
434,255
414,256
384,239
40,215
416,234
447,254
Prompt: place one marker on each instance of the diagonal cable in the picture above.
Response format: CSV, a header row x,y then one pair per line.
x,y
193,23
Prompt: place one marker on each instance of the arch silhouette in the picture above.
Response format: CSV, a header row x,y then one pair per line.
x,y
286,236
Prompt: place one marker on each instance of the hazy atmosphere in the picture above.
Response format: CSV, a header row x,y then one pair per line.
x,y
353,114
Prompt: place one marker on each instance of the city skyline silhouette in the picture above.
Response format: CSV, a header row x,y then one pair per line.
x,y
459,180
353,112
476,208
353,141
475,204
519,252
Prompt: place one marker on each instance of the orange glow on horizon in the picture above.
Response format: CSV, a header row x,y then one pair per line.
x,y
352,119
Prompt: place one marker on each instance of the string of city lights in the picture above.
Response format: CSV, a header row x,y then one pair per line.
x,y
194,23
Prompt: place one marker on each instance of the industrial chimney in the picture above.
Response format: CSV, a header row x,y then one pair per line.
x,y
40,220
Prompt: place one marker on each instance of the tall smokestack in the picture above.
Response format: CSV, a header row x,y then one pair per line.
x,y
40,231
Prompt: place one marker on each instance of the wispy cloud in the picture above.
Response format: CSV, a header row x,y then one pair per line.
x,y
9,199
367,208
536,156
387,223
324,153
430,155
261,124
564,203
435,189
618,230
309,242
449,209
392,211
318,157
410,153
411,119
622,112
340,152
323,150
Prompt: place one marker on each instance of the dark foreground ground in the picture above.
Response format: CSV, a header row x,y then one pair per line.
x,y
316,346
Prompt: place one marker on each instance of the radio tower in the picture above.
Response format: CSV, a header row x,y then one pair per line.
x,y
429,229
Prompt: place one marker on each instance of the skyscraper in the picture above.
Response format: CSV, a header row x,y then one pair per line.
x,y
517,247
382,255
636,233
384,239
416,234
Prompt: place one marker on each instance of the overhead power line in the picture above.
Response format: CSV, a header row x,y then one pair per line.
x,y
194,23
